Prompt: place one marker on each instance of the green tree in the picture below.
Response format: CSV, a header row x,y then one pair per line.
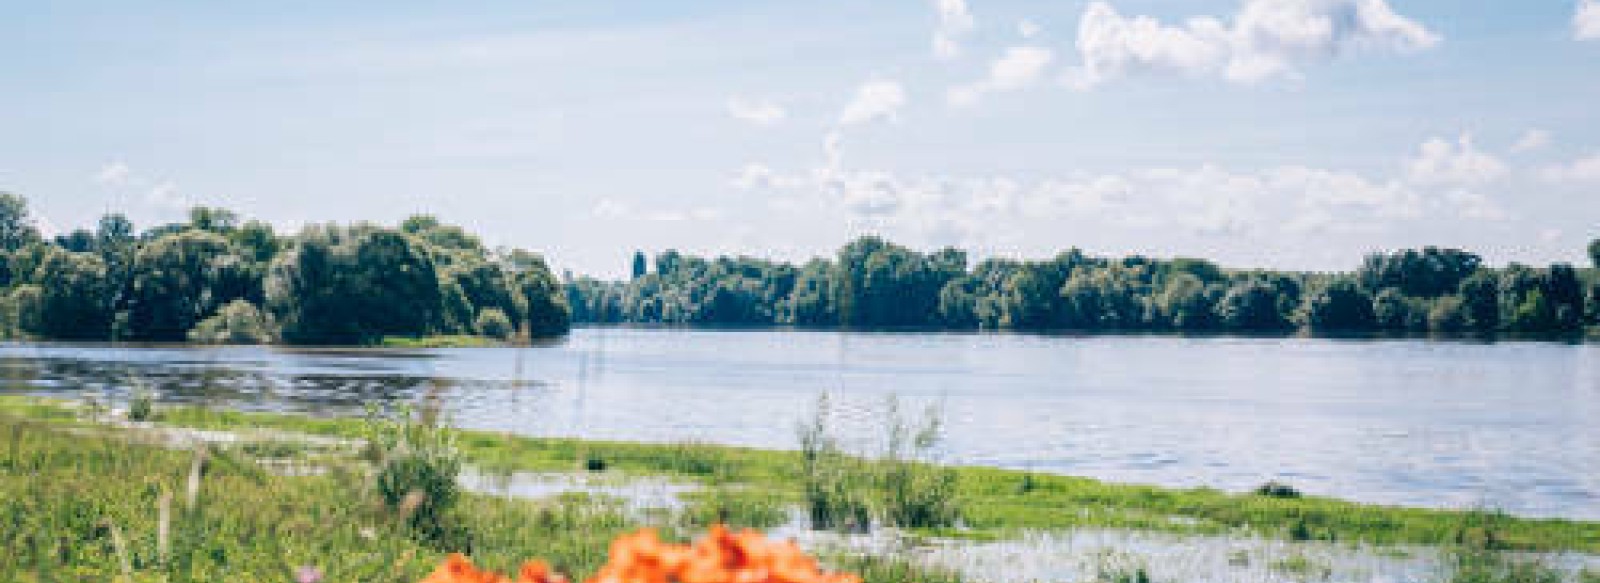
x,y
640,265
1338,304
16,228
353,285
494,323
1187,303
1252,305
544,305
179,280
237,322
73,294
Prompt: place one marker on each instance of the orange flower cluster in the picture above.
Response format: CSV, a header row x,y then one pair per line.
x,y
459,569
721,557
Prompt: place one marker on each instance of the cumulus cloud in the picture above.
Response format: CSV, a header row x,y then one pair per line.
x,y
166,195
1585,170
1586,21
113,173
955,23
761,112
1201,201
1441,161
874,100
1264,40
1019,67
1531,140
611,209
1028,28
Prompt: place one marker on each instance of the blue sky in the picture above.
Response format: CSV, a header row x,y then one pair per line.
x,y
1283,133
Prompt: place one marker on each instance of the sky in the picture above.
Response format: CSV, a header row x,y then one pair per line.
x,y
1297,134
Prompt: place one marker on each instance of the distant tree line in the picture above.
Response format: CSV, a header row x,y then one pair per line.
x,y
216,278
873,283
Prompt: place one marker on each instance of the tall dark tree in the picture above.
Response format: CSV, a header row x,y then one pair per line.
x,y
16,227
1338,305
640,265
179,280
336,285
73,297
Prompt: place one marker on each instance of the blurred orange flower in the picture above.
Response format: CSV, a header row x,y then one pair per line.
x,y
720,557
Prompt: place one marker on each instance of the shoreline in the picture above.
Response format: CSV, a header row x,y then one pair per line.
x,y
999,503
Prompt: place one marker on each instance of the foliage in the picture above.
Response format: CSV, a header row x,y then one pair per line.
x,y
916,492
493,323
238,322
330,284
418,468
873,283
831,481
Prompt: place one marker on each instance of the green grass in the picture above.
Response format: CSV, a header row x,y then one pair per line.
x,y
443,341
994,502
86,506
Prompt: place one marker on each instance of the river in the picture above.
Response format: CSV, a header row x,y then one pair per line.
x,y
1510,426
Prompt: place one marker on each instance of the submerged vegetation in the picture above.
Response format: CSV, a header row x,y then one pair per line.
x,y
873,283
218,279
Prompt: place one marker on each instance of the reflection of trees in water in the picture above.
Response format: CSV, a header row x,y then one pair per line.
x,y
212,384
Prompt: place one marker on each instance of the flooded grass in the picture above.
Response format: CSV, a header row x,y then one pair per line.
x,y
95,502
992,500
64,469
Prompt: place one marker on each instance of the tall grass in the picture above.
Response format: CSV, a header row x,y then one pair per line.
x,y
418,472
901,486
832,481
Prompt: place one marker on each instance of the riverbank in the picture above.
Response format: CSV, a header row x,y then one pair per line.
x,y
756,485
89,493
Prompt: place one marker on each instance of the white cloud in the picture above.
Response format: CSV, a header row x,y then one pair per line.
x,y
1585,170
874,100
1019,67
1028,28
955,23
113,173
1201,201
1266,39
1440,161
611,209
1586,21
761,112
165,194
1531,140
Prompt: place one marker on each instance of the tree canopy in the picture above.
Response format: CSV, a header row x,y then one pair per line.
x,y
220,278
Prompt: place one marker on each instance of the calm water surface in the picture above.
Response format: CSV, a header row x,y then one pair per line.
x,y
1514,426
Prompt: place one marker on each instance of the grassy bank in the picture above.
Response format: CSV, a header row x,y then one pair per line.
x,y
754,487
83,501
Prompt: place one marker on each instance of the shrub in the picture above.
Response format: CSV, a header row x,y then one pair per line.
x,y
831,480
1277,489
238,322
142,406
418,465
494,323
916,492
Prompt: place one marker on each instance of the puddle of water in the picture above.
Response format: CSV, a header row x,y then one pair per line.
x,y
639,495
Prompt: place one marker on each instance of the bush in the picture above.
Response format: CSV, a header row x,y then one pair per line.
x,y
916,492
494,323
831,480
418,465
1277,490
142,406
238,322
